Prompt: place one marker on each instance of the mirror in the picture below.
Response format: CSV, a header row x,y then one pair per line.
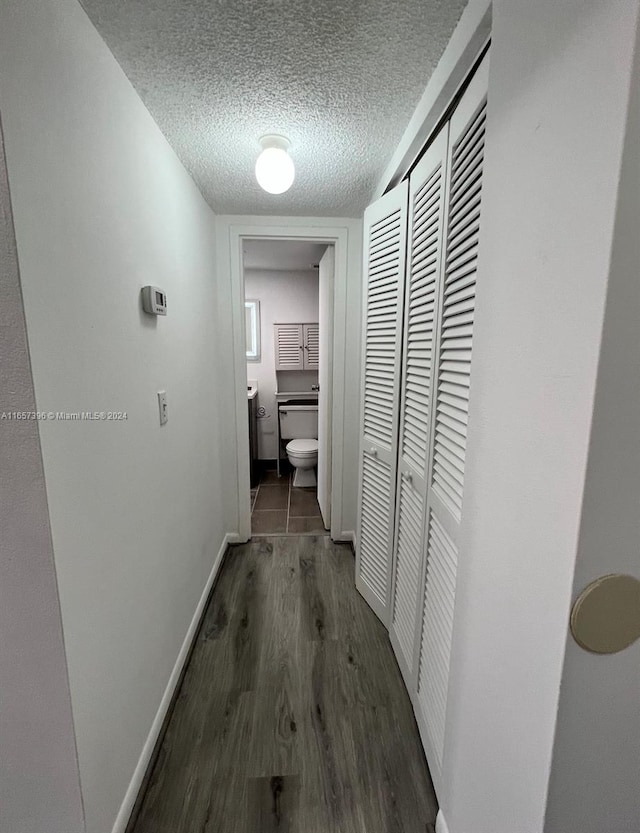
x,y
252,330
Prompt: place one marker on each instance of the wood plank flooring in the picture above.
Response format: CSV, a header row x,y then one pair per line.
x,y
292,716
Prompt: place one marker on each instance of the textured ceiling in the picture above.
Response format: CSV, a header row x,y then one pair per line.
x,y
282,255
339,78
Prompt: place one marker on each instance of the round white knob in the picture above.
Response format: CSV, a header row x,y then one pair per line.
x,y
374,452
408,476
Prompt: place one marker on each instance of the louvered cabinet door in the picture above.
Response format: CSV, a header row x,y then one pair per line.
x,y
424,268
384,266
289,347
454,338
311,339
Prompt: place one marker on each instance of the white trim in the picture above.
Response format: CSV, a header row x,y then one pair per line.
x,y
126,808
441,824
345,235
346,537
468,39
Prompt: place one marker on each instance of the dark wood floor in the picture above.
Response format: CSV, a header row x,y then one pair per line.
x,y
292,716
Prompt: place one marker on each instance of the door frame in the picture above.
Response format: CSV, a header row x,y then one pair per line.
x,y
325,376
345,236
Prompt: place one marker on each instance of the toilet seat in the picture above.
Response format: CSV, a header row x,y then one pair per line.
x,y
302,448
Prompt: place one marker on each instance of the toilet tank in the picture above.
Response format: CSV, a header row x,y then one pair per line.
x,y
298,422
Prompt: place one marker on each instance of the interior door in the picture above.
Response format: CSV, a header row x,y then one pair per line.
x,y
325,373
445,491
426,221
385,233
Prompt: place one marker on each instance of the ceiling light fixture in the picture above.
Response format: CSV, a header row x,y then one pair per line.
x,y
275,171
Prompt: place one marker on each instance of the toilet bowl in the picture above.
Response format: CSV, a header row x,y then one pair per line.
x,y
303,456
299,429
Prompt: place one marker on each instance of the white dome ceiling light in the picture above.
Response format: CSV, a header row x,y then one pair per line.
x,y
275,171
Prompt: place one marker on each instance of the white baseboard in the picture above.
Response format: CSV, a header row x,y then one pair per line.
x,y
347,537
441,824
122,819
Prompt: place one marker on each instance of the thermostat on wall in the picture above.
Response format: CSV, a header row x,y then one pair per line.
x,y
154,300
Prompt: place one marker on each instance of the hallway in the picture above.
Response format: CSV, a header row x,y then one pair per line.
x,y
292,715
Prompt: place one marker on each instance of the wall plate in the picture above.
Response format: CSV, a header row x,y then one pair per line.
x,y
605,617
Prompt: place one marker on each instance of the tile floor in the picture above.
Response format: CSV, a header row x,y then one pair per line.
x,y
279,508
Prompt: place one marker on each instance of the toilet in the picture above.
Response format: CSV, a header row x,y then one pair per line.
x,y
299,425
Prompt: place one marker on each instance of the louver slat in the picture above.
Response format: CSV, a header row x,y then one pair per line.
x,y
423,272
376,500
408,564
437,629
312,343
380,336
288,340
456,339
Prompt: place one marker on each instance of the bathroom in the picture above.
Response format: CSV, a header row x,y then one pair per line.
x,y
288,288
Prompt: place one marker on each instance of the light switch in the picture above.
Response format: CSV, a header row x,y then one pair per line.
x,y
162,405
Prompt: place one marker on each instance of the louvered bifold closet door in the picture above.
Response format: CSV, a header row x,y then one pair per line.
x,y
311,336
425,231
385,236
445,493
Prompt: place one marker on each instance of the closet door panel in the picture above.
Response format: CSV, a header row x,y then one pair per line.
x,y
384,267
426,216
451,388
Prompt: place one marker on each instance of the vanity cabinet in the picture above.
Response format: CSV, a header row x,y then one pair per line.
x,y
296,346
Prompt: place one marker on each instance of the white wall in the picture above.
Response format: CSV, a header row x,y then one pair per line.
x,y
39,780
596,761
558,88
285,297
102,206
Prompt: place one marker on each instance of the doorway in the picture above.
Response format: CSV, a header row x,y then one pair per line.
x,y
288,301
288,287
346,237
